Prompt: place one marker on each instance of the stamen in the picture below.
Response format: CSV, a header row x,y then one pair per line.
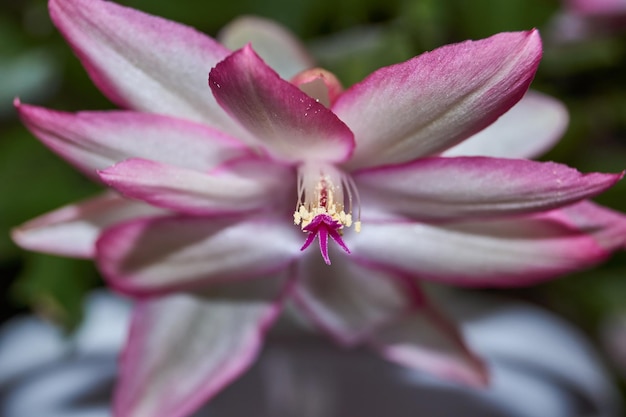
x,y
323,209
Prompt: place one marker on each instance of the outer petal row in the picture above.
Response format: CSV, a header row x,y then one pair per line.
x,y
73,230
527,130
143,62
96,140
293,126
278,47
237,186
183,349
436,100
467,187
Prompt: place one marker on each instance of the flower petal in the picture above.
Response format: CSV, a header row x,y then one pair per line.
x,y
456,188
153,257
512,252
436,100
96,140
349,301
143,62
72,230
606,226
507,334
242,186
597,8
426,340
527,130
291,124
183,349
278,47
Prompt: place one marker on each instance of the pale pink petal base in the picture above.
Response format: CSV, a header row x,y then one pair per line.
x,y
73,230
147,257
238,186
183,349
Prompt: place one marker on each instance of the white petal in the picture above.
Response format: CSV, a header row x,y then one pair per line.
x,y
278,47
73,230
183,349
527,130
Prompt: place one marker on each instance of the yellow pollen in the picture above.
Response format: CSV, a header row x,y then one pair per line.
x,y
323,189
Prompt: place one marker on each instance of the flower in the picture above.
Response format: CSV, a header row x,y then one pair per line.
x,y
579,20
213,181
597,7
562,376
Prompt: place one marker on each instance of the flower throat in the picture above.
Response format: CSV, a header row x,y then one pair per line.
x,y
327,198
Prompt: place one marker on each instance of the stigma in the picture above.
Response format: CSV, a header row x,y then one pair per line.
x,y
327,202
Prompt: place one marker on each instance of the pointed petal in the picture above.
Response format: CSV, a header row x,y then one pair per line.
x,y
427,341
235,187
349,300
606,226
278,47
143,62
436,100
512,252
173,253
72,230
456,188
183,349
96,140
289,123
527,130
507,334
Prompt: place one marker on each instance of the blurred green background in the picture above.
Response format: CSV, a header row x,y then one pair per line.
x,y
351,38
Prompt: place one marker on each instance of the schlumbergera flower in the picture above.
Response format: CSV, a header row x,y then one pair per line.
x,y
582,19
210,180
597,7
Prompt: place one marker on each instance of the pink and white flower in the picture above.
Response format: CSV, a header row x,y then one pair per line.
x,y
582,19
213,179
597,7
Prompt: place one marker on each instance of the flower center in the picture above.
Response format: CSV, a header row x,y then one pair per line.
x,y
326,200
